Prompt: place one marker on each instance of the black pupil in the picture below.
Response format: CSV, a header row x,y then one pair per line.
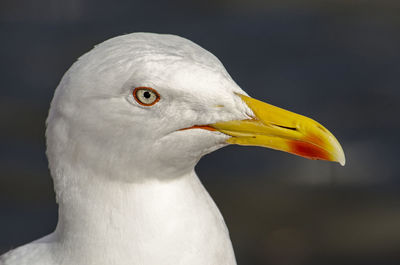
x,y
146,94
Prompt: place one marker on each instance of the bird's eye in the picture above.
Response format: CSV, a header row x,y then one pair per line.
x,y
146,96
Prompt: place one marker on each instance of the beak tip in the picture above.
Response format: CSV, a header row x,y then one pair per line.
x,y
341,159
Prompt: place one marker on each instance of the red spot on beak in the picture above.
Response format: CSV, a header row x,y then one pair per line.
x,y
308,150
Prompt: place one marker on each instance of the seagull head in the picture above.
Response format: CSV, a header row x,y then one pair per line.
x,y
152,105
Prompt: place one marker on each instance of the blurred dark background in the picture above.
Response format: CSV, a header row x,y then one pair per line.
x,y
337,61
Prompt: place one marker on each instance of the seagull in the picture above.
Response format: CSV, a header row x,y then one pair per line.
x,y
127,125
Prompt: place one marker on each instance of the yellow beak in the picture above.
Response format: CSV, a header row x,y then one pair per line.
x,y
283,130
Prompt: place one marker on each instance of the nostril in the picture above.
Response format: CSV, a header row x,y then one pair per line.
x,y
285,127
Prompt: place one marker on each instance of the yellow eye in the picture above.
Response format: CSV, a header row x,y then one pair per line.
x,y
146,96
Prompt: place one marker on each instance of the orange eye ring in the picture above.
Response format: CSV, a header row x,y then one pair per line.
x,y
146,96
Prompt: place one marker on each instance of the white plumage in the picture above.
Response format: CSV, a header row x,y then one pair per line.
x,y
127,125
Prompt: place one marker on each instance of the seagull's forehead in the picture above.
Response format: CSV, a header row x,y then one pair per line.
x,y
204,77
135,49
199,79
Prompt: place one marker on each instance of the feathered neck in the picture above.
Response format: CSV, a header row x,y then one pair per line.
x,y
107,222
